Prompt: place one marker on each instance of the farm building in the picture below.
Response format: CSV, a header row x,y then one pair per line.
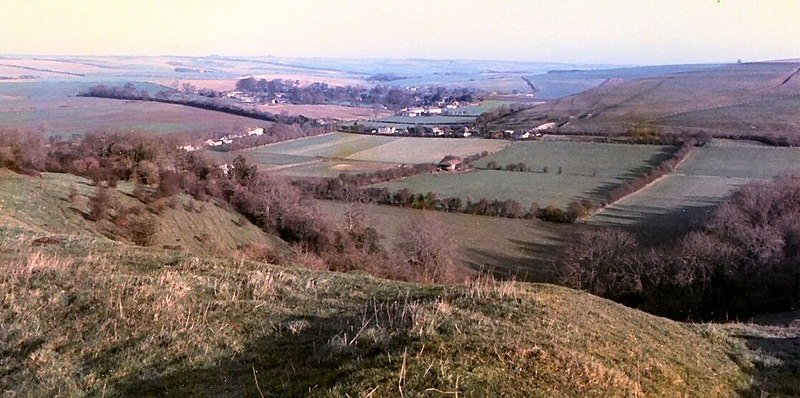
x,y
387,130
450,163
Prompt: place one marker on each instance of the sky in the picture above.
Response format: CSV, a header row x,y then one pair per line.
x,y
642,32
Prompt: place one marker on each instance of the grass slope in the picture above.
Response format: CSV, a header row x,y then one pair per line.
x,y
42,205
733,99
89,317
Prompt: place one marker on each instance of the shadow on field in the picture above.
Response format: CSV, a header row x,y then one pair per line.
x,y
602,191
303,354
532,262
654,225
779,377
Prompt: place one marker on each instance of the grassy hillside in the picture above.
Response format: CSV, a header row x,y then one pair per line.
x,y
42,205
729,99
94,317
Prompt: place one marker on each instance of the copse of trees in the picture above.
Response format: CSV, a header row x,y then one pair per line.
x,y
379,95
743,261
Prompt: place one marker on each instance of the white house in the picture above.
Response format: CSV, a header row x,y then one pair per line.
x,y
258,131
387,130
546,126
210,142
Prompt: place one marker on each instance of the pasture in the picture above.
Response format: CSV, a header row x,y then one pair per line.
x,y
588,170
331,154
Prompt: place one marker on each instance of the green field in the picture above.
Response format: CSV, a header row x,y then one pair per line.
x,y
613,164
331,154
580,158
334,145
703,180
742,161
427,150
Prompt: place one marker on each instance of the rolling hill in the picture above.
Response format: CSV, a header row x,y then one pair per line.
x,y
725,100
86,315
43,206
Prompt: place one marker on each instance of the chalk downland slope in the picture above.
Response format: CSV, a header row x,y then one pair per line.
x,y
42,205
96,317
729,99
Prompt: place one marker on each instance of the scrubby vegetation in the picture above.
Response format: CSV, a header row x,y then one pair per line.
x,y
742,262
160,172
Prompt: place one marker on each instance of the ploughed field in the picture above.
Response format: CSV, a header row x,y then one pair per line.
x,y
588,170
332,154
703,180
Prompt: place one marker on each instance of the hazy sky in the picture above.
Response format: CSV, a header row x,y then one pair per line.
x,y
601,31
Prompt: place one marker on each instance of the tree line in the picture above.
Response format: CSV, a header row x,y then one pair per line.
x,y
129,92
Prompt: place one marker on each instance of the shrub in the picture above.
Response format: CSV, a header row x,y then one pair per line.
x,y
99,204
427,251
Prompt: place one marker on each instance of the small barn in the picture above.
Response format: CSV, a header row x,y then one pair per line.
x,y
450,163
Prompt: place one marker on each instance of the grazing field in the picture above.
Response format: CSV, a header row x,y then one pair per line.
x,y
335,145
588,170
523,249
427,150
331,154
580,158
745,161
703,180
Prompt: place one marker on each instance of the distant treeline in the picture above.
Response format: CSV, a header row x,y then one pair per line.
x,y
129,92
322,93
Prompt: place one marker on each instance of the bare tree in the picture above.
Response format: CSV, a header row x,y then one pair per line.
x,y
427,251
